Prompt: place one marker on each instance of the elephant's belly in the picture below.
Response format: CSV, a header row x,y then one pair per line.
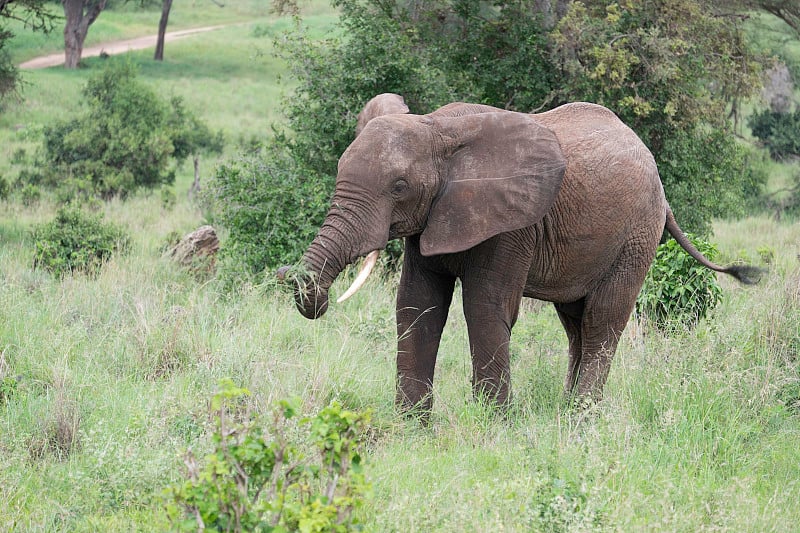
x,y
572,273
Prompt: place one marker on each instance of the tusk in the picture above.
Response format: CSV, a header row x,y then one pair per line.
x,y
369,264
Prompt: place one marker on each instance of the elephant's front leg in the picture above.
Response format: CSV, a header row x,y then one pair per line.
x,y
492,292
423,301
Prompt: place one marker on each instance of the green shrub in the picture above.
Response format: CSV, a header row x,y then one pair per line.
x,y
257,480
129,137
9,385
30,195
779,132
4,188
709,174
271,207
76,241
679,291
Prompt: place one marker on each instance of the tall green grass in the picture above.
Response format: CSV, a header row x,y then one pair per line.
x,y
697,431
109,377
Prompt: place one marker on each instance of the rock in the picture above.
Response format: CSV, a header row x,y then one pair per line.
x,y
197,250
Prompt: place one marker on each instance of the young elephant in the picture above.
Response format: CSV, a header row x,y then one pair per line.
x,y
564,206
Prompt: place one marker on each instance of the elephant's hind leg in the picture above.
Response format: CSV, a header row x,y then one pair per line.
x,y
606,312
571,316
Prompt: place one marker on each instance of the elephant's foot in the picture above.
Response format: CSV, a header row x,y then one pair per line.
x,y
494,393
414,401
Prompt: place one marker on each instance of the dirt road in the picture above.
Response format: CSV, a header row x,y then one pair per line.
x,y
116,47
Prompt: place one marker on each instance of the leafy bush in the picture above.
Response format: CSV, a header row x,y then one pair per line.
x,y
128,137
4,188
708,174
779,132
271,206
253,481
76,241
30,195
679,291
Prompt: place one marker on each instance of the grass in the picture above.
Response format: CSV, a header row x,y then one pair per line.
x,y
107,379
697,431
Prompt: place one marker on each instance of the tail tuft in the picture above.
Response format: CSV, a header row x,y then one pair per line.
x,y
749,275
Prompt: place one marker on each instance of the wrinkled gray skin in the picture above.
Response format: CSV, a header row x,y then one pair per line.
x,y
564,206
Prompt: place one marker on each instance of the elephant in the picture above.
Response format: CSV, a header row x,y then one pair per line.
x,y
564,206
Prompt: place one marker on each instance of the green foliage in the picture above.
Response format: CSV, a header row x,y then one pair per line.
x,y
4,188
562,505
127,138
662,66
8,388
708,174
9,76
254,481
76,241
779,132
679,291
30,194
36,17
374,52
271,206
501,60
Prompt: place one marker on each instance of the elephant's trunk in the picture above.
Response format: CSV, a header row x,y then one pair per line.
x,y
330,252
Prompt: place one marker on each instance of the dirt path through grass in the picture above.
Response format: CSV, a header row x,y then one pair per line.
x,y
115,47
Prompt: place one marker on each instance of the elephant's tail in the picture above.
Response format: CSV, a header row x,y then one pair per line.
x,y
747,274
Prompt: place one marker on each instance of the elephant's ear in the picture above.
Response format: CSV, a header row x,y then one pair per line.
x,y
503,174
383,104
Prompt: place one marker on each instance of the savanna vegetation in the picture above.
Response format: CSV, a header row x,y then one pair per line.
x,y
136,395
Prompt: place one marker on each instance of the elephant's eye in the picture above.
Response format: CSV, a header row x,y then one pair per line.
x,y
400,188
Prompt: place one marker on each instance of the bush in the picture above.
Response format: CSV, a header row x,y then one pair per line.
x,y
679,291
779,132
30,195
255,481
128,138
76,241
271,207
709,174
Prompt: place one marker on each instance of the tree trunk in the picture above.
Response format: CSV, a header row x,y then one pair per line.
x,y
166,5
79,15
195,188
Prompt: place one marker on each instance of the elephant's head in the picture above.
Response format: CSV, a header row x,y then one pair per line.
x,y
456,181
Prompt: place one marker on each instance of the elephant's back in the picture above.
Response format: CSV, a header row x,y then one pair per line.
x,y
605,158
611,196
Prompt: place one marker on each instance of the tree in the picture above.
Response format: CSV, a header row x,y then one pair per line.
x,y
128,138
34,15
786,10
671,69
79,14
166,6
